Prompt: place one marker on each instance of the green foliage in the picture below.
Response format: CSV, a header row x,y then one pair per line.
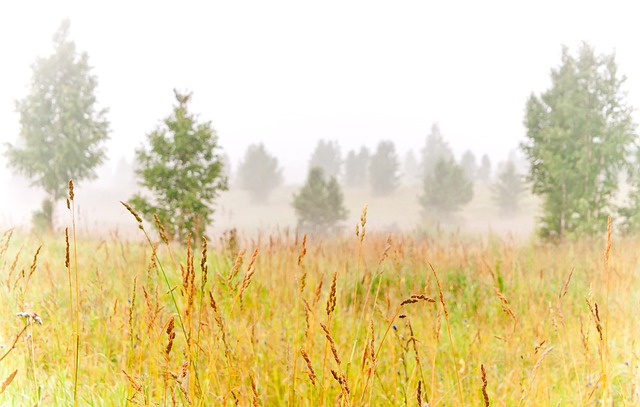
x,y
356,168
61,128
319,204
182,170
508,189
579,134
446,190
327,156
259,173
383,169
435,149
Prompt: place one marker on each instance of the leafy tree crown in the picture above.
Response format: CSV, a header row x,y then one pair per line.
x,y
62,129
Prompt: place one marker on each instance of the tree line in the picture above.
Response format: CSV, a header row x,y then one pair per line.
x,y
580,138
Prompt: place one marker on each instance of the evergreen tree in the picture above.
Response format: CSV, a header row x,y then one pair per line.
x,y
62,130
227,168
124,177
484,171
383,169
259,173
182,170
435,148
508,189
579,135
327,156
319,204
410,169
469,165
356,168
446,190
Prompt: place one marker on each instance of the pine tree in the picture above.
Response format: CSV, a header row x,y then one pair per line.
x,y
435,148
484,171
468,163
356,168
327,156
319,204
62,130
259,173
508,189
446,190
383,169
410,169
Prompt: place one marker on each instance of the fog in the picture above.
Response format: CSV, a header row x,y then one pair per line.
x,y
290,73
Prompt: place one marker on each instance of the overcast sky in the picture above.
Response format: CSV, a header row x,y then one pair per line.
x,y
289,73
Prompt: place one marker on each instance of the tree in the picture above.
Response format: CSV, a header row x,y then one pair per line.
x,y
62,130
356,167
319,204
630,213
227,168
446,190
469,165
327,156
124,177
484,171
259,173
383,169
579,135
508,189
182,170
410,169
435,148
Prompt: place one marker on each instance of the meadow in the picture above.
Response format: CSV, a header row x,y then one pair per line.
x,y
365,319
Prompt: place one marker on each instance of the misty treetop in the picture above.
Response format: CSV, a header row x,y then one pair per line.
x,y
483,173
508,189
446,190
383,169
580,133
435,149
259,173
181,170
469,164
62,129
356,168
411,169
328,157
319,205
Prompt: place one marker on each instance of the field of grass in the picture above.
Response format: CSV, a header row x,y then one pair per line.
x,y
368,319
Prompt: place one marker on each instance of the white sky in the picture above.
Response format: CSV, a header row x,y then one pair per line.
x,y
290,72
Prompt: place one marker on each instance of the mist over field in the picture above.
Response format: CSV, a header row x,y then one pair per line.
x,y
346,204
275,74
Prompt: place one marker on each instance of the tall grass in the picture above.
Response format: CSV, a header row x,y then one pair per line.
x,y
348,321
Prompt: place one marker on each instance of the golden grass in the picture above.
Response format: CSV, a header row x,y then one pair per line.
x,y
351,321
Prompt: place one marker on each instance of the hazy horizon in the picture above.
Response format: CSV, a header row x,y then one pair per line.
x,y
288,73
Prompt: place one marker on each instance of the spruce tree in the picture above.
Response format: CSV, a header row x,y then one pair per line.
x,y
383,169
259,173
181,171
508,188
319,204
446,190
